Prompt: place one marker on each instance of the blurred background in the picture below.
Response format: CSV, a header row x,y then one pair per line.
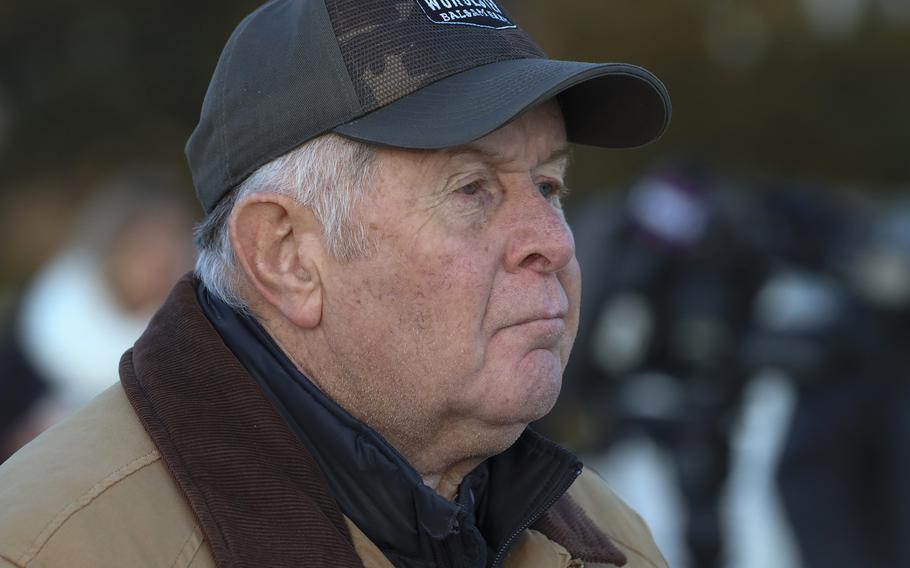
x,y
740,375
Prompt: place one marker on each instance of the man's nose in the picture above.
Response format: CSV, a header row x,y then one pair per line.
x,y
540,239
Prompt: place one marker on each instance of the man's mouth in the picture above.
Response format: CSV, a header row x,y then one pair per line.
x,y
540,317
541,332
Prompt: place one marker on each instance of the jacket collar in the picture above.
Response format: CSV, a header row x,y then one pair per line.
x,y
256,486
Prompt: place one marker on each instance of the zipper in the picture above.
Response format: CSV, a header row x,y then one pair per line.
x,y
558,492
447,560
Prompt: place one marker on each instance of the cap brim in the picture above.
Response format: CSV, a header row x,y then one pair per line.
x,y
611,105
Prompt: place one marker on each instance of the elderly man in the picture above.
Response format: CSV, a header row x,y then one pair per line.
x,y
386,295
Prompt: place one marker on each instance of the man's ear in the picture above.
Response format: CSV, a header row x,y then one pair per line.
x,y
279,247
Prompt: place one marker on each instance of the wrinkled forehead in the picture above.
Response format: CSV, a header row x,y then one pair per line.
x,y
535,138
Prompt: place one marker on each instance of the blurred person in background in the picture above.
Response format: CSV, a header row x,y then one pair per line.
x,y
697,289
129,243
833,317
668,284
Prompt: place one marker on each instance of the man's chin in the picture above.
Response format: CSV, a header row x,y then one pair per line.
x,y
535,399
539,380
543,404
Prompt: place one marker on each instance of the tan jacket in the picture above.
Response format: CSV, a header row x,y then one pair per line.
x,y
95,491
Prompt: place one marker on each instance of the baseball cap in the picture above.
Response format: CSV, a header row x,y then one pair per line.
x,y
419,74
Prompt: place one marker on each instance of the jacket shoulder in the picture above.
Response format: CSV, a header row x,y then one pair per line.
x,y
93,491
616,519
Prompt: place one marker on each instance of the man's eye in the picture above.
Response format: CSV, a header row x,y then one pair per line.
x,y
549,189
472,188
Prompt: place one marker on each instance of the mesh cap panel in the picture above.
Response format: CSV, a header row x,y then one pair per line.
x,y
393,48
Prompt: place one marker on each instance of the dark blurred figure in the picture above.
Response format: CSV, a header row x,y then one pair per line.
x,y
62,345
690,289
881,276
669,281
831,316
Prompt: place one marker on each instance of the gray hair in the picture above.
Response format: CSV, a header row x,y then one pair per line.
x,y
327,174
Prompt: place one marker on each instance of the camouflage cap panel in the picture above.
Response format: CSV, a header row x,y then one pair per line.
x,y
393,48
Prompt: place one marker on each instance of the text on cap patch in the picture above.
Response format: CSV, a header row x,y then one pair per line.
x,y
480,13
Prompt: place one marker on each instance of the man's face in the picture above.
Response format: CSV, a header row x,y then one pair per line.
x,y
468,306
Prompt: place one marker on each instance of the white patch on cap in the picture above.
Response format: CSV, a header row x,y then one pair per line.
x,y
479,13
